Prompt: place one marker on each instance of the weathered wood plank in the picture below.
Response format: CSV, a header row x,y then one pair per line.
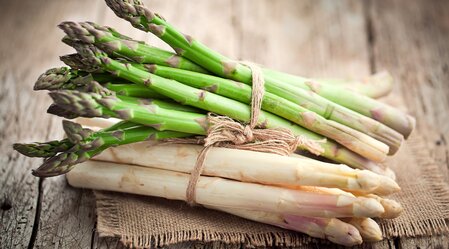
x,y
18,188
324,39
23,51
30,50
312,38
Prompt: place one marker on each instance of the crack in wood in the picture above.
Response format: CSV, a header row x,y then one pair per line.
x,y
37,216
6,205
397,242
92,239
370,35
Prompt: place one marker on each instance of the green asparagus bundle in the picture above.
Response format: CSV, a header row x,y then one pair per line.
x,y
119,47
159,96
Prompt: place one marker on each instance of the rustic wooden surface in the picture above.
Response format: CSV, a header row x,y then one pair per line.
x,y
314,38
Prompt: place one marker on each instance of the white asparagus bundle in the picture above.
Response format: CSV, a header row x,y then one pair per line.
x,y
219,192
250,166
347,231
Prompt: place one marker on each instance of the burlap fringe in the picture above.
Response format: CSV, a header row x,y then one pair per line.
x,y
108,223
439,190
254,240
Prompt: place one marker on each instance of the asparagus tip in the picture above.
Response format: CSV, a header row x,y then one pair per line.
x,y
52,167
381,170
383,80
78,103
61,112
412,124
367,207
24,149
75,132
132,11
392,208
371,182
61,163
367,227
75,61
87,53
342,233
53,79
387,186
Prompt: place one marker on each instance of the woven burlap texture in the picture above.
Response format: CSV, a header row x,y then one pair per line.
x,y
146,222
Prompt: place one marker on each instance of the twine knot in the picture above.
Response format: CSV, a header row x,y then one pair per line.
x,y
248,133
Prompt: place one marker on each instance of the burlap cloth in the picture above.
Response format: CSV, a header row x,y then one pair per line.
x,y
154,222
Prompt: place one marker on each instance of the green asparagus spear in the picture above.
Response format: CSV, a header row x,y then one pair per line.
x,y
51,148
46,149
375,86
67,78
73,79
110,41
92,143
146,113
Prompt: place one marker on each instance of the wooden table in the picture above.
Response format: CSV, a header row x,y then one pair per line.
x,y
314,38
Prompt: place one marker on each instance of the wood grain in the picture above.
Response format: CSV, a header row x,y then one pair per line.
x,y
19,190
316,38
64,220
309,38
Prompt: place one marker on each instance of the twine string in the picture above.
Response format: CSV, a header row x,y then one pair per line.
x,y
225,132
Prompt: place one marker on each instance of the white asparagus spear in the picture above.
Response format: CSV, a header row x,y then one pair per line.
x,y
392,208
376,168
219,192
332,229
250,166
368,228
381,170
